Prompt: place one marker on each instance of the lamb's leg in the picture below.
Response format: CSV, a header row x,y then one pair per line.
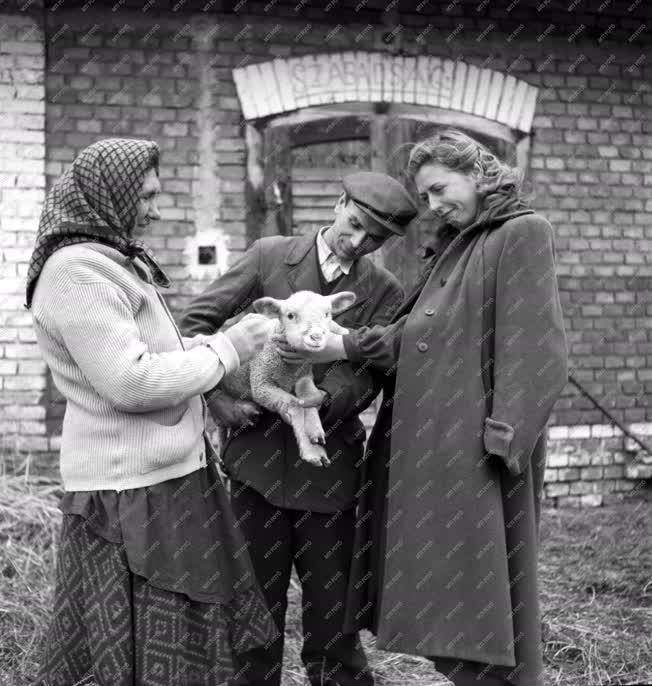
x,y
306,390
286,405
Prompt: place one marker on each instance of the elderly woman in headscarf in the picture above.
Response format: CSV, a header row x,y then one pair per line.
x,y
445,557
153,582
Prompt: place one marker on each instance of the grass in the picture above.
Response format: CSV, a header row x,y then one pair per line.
x,y
596,592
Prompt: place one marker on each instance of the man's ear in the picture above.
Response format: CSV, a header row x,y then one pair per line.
x,y
270,307
341,202
340,301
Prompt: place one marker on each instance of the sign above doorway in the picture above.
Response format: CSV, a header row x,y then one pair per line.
x,y
284,85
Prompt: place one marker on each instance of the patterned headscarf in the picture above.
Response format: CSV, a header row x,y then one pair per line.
x,y
96,200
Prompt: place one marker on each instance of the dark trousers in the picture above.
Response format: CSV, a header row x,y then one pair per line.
x,y
467,673
320,546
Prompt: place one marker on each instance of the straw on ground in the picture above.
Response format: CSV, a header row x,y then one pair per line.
x,y
596,590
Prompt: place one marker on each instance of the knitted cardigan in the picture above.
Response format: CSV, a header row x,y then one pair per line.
x,y
134,415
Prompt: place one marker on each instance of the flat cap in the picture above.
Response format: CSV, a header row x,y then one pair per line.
x,y
382,198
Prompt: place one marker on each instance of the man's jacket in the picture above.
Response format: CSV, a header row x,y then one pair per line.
x,y
266,456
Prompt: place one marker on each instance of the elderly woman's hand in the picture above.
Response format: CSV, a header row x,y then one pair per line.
x,y
333,350
249,335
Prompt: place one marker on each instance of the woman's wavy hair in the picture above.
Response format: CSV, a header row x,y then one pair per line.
x,y
500,186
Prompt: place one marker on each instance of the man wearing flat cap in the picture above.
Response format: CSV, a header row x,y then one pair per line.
x,y
292,512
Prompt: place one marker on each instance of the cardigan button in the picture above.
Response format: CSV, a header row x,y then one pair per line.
x,y
422,347
429,311
442,282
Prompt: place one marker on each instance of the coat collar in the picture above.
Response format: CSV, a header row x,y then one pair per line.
x,y
494,223
434,255
302,275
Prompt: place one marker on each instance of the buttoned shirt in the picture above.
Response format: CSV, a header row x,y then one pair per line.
x,y
331,265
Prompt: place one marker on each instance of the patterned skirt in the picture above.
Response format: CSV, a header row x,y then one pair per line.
x,y
126,607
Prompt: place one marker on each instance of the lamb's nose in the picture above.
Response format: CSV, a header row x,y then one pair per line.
x,y
316,336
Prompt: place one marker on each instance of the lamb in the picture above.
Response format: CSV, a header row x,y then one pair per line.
x,y
304,318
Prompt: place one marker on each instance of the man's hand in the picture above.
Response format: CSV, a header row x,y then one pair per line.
x,y
332,351
231,412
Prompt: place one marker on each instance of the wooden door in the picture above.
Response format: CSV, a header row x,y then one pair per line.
x,y
317,173
305,164
392,138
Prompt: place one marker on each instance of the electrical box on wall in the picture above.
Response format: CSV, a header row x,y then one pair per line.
x,y
206,254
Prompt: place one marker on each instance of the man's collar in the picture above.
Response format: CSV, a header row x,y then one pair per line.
x,y
324,252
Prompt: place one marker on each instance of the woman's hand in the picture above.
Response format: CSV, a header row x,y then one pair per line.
x,y
249,335
332,351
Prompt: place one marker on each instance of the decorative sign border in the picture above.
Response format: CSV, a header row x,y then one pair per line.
x,y
283,85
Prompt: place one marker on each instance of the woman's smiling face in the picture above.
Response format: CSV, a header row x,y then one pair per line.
x,y
451,195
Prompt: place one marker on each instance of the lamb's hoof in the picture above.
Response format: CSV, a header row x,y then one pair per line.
x,y
316,456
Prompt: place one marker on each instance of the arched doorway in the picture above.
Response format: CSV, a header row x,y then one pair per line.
x,y
301,157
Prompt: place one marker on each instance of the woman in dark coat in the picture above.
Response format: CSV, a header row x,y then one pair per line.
x,y
445,561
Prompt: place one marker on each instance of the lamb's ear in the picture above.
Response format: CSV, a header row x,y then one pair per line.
x,y
340,301
270,307
337,328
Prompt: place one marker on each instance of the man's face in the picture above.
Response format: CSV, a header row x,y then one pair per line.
x,y
147,208
353,233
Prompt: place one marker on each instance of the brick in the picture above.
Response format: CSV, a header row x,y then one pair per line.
x,y
569,501
555,163
591,500
23,48
32,367
579,460
32,428
614,472
580,432
580,488
591,473
557,489
24,351
21,412
25,383
569,474
637,471
620,165
8,335
33,444
8,367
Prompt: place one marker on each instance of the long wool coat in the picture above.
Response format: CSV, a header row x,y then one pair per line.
x,y
445,558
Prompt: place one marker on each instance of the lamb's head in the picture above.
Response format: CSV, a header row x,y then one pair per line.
x,y
306,317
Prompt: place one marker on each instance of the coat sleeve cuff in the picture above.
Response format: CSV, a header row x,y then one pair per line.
x,y
498,437
350,343
226,351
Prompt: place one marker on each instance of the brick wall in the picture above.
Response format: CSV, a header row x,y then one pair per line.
x,y
22,184
169,77
593,465
107,79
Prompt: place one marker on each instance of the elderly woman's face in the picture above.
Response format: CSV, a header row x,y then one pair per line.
x,y
147,207
452,196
